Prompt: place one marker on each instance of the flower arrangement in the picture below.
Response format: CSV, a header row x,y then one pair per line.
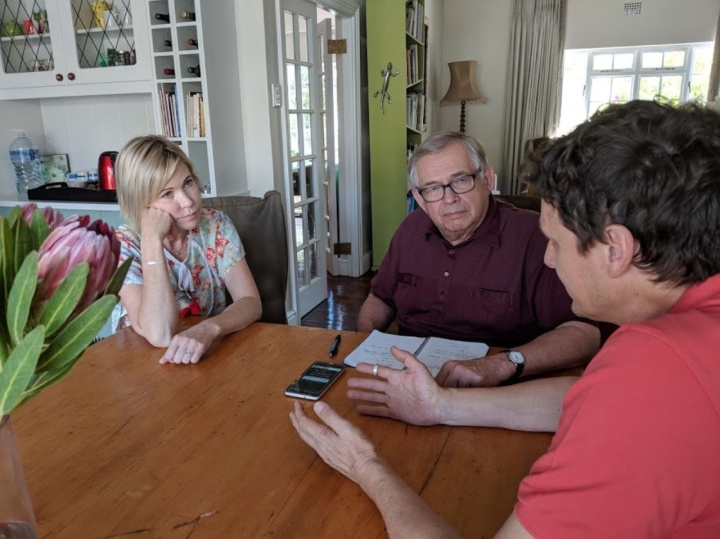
x,y
59,284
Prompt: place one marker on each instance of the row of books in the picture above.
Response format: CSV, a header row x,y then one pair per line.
x,y
414,73
195,114
170,113
416,111
414,19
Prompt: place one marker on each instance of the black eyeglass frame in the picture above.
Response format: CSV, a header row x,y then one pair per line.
x,y
451,186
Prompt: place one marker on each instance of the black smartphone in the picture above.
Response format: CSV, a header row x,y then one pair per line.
x,y
315,381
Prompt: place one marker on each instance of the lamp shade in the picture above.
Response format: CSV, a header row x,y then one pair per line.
x,y
462,84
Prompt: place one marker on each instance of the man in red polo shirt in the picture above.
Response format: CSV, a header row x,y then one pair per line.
x,y
468,267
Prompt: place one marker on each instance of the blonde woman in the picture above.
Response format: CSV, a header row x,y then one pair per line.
x,y
186,256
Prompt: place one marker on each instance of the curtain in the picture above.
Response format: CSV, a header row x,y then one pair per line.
x,y
537,41
714,85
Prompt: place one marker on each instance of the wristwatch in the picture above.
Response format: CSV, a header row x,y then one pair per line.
x,y
517,359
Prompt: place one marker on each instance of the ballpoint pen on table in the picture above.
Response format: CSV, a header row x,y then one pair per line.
x,y
335,345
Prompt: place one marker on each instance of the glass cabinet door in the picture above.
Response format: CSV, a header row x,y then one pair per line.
x,y
104,34
26,40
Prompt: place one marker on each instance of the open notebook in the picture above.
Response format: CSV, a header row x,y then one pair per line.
x,y
432,351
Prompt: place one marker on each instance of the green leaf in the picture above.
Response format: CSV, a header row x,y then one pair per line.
x,y
116,281
19,368
20,297
7,247
23,242
40,381
13,215
77,335
65,299
39,229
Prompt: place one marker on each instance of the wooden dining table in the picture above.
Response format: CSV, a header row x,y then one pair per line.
x,y
127,447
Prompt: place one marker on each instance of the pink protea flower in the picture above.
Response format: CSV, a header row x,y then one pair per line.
x,y
52,217
74,241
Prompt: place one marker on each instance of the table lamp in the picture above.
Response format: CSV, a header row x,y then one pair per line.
x,y
463,87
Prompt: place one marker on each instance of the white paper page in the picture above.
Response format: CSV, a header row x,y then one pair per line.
x,y
376,349
437,351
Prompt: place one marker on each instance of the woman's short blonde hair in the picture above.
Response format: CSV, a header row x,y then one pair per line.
x,y
142,169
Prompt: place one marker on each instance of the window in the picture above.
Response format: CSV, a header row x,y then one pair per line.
x,y
593,78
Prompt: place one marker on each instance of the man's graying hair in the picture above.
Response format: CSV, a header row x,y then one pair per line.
x,y
440,141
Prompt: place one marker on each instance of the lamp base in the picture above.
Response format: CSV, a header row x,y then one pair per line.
x,y
462,116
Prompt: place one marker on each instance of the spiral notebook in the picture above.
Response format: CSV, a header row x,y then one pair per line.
x,y
432,351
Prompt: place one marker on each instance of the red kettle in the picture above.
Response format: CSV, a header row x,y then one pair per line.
x,y
106,170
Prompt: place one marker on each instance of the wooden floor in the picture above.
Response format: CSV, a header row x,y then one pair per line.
x,y
340,309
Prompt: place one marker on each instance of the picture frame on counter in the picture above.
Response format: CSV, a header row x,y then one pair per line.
x,y
54,167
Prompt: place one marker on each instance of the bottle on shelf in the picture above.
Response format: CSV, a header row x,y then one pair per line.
x,y
25,157
168,71
164,17
192,42
189,15
194,70
167,42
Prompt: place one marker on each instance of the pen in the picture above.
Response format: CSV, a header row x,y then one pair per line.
x,y
335,345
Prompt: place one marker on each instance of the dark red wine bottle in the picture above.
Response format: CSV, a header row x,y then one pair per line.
x,y
169,71
167,42
162,17
195,70
192,42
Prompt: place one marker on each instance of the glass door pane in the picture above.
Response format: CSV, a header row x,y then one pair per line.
x,y
103,33
25,37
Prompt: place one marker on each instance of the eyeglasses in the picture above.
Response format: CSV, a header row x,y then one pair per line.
x,y
435,193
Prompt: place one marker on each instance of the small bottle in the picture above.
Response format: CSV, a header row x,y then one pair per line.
x,y
192,42
93,180
164,17
25,157
189,15
169,71
195,70
167,42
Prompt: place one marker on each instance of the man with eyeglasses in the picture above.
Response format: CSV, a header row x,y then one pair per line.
x,y
468,267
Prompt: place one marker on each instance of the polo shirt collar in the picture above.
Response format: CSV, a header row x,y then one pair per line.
x,y
704,294
487,233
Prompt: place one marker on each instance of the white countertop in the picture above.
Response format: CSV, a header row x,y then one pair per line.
x,y
8,201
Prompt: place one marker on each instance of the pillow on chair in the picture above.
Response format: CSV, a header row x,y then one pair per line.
x,y
260,222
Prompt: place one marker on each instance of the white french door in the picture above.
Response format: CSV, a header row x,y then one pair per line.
x,y
301,62
329,146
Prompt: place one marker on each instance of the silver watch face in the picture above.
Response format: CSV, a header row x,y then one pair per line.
x,y
516,357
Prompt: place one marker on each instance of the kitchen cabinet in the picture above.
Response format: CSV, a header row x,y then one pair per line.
x,y
74,48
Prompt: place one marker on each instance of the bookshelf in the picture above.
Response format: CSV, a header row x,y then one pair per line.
x,y
193,51
396,32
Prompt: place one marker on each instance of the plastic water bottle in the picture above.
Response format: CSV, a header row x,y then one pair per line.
x,y
25,156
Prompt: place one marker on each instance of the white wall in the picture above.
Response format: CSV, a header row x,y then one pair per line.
x,y
17,115
593,24
84,127
480,30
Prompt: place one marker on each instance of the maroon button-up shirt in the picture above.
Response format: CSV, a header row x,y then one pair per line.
x,y
492,288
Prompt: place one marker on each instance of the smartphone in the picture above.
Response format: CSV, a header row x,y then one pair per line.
x,y
315,381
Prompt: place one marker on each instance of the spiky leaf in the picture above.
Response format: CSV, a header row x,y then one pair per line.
x,y
20,297
65,299
7,265
19,368
77,335
116,281
39,229
23,242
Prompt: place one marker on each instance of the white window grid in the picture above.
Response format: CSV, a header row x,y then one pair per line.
x,y
636,71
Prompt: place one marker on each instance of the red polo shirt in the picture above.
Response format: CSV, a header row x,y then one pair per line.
x,y
492,288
